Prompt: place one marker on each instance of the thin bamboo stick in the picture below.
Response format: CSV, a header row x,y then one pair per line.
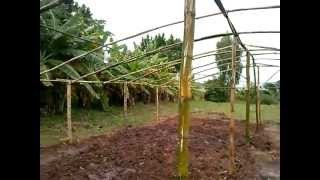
x,y
272,76
125,100
266,47
157,104
69,123
140,70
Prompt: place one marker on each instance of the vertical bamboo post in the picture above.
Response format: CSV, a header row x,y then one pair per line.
x,y
247,135
185,89
69,123
258,96
255,88
232,99
157,103
125,100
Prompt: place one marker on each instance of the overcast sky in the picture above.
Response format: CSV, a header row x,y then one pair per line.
x,y
124,18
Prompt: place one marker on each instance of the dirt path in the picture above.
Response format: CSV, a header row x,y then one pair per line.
x,y
268,163
148,152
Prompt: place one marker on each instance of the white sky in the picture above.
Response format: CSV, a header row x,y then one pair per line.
x,y
124,18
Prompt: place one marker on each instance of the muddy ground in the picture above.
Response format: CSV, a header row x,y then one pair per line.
x,y
148,153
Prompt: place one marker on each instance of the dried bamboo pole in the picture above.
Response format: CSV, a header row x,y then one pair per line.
x,y
157,70
269,65
213,67
272,76
140,70
164,48
69,123
266,53
265,47
195,57
267,59
247,135
258,97
230,34
232,99
135,58
255,89
131,59
125,101
157,104
213,52
97,82
185,90
221,60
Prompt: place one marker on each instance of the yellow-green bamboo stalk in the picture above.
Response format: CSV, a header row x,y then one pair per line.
x,y
185,90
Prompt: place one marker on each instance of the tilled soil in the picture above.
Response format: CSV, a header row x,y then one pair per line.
x,y
148,153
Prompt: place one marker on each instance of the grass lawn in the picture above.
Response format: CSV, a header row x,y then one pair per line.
x,y
94,122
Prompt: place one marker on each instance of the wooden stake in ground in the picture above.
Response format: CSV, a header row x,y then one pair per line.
x,y
185,90
69,123
258,97
232,99
157,103
255,85
125,100
248,98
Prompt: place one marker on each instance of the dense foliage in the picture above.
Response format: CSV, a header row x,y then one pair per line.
x,y
269,93
217,89
57,45
223,59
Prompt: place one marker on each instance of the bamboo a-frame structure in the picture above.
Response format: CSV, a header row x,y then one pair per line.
x,y
184,83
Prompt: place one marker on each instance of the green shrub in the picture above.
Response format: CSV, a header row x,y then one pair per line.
x,y
268,99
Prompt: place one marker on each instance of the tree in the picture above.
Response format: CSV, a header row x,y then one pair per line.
x,y
56,47
223,59
151,43
216,91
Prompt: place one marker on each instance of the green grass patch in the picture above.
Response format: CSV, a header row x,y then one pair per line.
x,y
87,123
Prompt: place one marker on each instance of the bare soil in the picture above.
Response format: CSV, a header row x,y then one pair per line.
x,y
148,153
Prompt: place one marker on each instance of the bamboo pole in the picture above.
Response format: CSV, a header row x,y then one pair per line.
x,y
185,90
258,97
248,99
157,104
125,100
232,99
255,85
69,123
